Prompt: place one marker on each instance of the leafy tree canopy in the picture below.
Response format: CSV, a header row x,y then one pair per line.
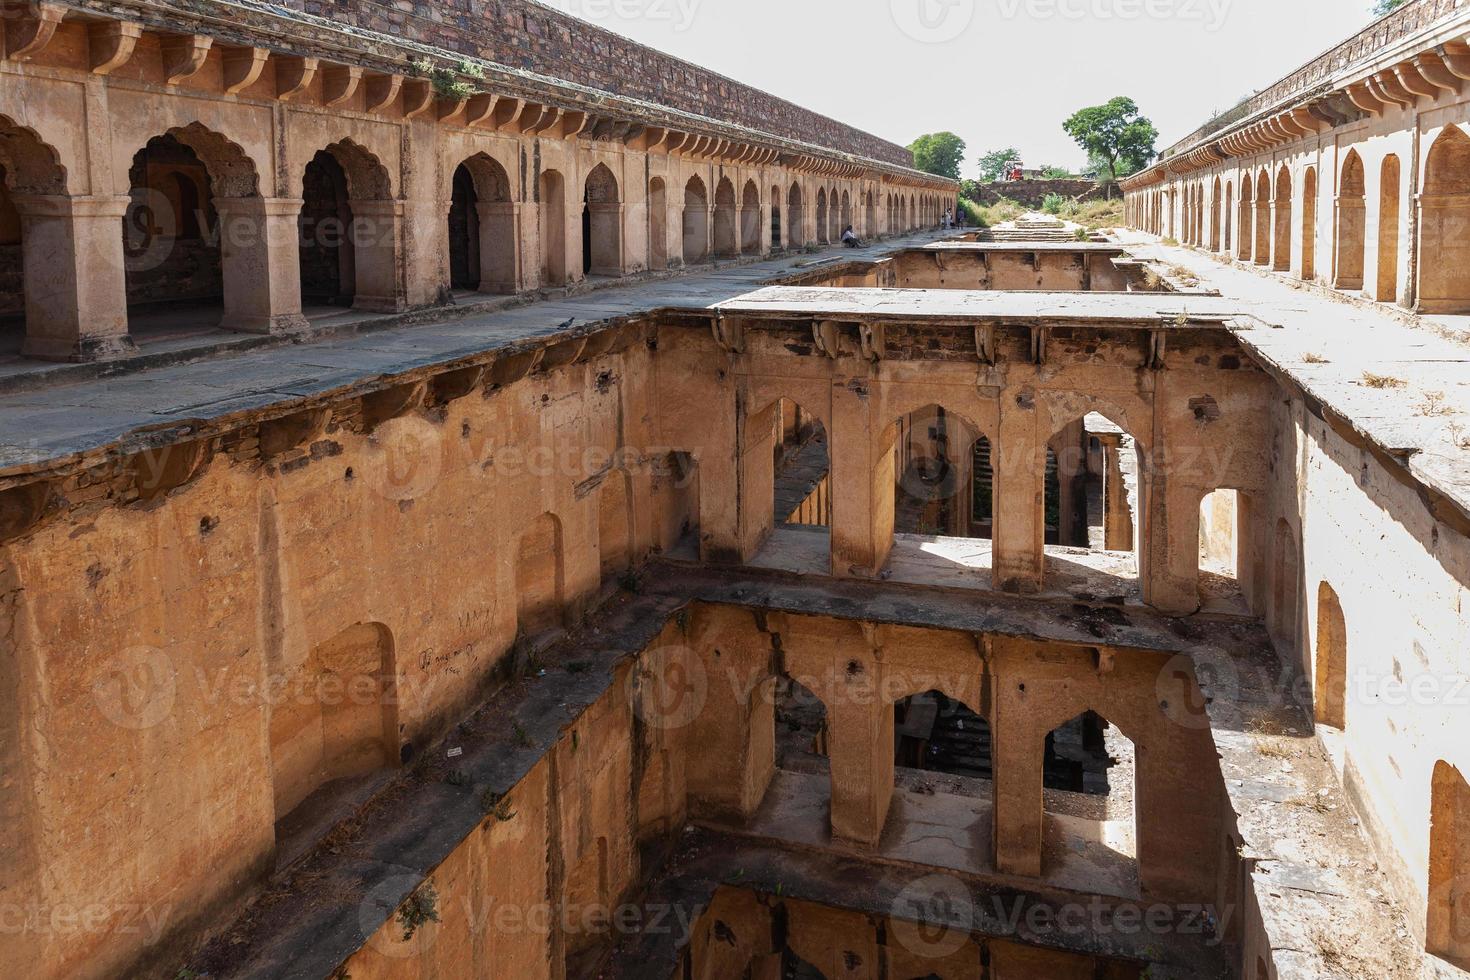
x,y
939,153
1114,135
1382,7
993,166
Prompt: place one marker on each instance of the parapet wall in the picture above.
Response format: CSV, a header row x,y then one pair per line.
x,y
525,35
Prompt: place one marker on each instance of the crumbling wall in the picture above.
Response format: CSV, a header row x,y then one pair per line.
x,y
153,629
1032,193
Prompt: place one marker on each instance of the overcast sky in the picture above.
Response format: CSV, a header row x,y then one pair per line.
x,y
998,72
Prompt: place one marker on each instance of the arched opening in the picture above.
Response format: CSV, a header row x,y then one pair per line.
x,y
551,195
822,234
1330,689
1448,930
540,578
799,749
1284,590
943,763
482,228
1281,261
1263,219
846,221
349,232
1245,235
1444,259
615,524
1309,224
171,247
1390,192
1352,216
1215,217
726,244
1094,499
870,217
937,466
55,304
658,224
1088,803
1229,212
750,219
795,233
777,242
464,232
1221,556
946,483
602,224
696,222
786,454
336,723
327,269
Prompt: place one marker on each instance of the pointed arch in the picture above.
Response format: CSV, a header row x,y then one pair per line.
x,y
551,198
1352,216
1309,224
1281,246
821,216
727,242
1330,689
1215,217
602,224
750,219
1444,259
482,221
778,234
795,219
696,221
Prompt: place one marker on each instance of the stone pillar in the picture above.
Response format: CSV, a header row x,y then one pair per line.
x,y
377,228
795,232
260,259
606,239
1169,572
1019,754
860,749
76,290
1019,463
500,254
862,487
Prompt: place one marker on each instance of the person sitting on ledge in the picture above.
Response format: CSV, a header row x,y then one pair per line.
x,y
851,240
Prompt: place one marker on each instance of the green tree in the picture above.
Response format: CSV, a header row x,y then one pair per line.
x,y
939,153
1114,135
993,166
1382,7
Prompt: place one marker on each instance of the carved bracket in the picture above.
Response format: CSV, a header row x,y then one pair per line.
x,y
339,83
381,90
872,338
243,67
184,55
418,97
29,28
825,335
729,334
985,343
1157,344
1039,335
110,44
293,76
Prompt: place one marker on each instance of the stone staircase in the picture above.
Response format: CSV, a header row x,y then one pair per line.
x,y
1032,228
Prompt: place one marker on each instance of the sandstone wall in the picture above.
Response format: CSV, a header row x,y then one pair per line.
x,y
146,653
1033,193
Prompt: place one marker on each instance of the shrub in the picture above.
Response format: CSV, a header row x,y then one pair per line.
x,y
1053,204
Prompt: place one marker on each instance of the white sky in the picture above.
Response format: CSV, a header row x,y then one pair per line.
x,y
997,72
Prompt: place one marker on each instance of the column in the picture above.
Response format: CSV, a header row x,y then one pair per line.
x,y
260,259
500,255
75,286
860,750
1019,461
376,230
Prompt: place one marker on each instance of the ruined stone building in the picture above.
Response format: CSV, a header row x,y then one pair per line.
x,y
460,517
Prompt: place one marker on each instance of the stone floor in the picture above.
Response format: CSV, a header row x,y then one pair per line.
x,y
46,414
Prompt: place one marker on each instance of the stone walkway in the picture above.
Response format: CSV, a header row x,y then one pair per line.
x,y
51,422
